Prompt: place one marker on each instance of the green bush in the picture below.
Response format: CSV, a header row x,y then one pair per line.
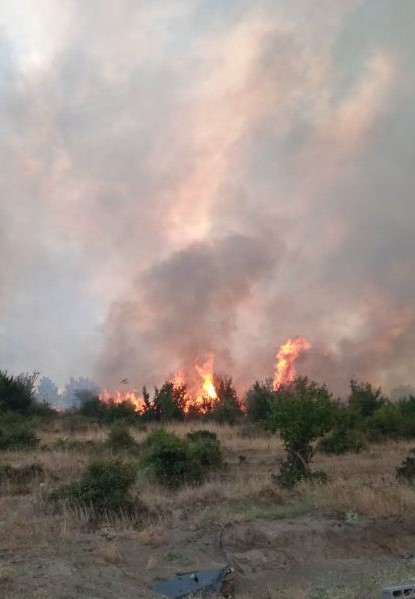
x,y
16,392
341,440
406,471
174,461
226,409
258,401
205,448
301,412
171,461
386,422
16,433
105,489
120,438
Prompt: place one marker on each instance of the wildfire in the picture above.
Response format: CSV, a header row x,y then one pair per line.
x,y
286,358
118,397
200,393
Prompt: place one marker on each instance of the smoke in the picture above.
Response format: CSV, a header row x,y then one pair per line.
x,y
188,177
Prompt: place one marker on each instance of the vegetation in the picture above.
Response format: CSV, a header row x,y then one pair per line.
x,y
406,471
301,412
174,461
120,438
104,489
17,433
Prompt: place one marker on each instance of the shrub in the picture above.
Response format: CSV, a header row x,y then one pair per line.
x,y
341,440
169,402
16,433
385,422
406,471
120,438
364,399
226,409
16,392
258,401
205,448
171,461
18,478
301,412
105,489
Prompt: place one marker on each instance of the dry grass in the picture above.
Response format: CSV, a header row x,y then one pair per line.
x,y
364,484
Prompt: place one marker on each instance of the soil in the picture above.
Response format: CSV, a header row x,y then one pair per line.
x,y
310,552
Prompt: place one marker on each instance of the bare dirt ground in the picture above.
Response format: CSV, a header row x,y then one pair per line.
x,y
346,539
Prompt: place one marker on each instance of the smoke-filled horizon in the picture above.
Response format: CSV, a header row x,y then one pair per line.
x,y
185,178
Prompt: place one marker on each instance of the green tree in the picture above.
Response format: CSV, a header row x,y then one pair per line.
x,y
301,411
17,393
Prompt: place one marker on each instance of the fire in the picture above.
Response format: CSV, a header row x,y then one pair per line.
x,y
201,389
286,358
118,397
206,374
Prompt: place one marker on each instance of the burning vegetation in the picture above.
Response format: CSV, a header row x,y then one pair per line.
x,y
199,390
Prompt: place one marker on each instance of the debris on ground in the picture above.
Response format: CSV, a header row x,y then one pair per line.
x,y
404,590
207,582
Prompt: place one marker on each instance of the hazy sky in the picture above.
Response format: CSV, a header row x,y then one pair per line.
x,y
192,176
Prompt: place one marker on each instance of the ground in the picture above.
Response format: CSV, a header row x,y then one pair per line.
x,y
345,539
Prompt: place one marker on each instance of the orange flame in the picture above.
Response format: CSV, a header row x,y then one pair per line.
x,y
118,397
201,392
286,358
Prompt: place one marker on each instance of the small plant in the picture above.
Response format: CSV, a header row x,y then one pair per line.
x,y
16,433
205,448
120,438
171,461
406,471
19,477
341,440
105,489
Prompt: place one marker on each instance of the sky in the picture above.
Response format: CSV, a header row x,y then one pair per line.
x,y
193,177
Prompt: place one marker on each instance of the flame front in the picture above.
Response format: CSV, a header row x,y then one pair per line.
x,y
201,392
118,397
286,358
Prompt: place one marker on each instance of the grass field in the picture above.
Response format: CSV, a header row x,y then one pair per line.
x,y
348,537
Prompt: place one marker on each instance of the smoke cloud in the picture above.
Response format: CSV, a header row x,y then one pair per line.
x,y
182,177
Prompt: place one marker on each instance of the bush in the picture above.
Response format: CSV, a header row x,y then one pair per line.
x,y
171,461
18,478
301,412
205,448
364,400
16,433
16,392
406,471
120,438
258,401
387,422
226,409
341,440
174,461
104,489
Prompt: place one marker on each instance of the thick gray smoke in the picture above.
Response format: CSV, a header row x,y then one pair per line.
x,y
189,177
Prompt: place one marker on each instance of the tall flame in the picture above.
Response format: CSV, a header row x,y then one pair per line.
x,y
200,392
206,373
286,358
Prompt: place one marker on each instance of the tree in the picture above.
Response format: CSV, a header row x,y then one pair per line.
x,y
47,391
301,411
258,401
71,396
364,399
17,392
170,401
227,408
